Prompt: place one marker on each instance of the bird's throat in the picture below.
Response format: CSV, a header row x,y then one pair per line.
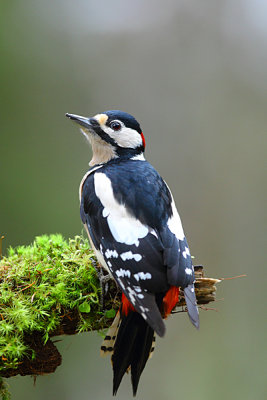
x,y
102,152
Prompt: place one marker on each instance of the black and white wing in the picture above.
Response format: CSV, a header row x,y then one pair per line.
x,y
135,235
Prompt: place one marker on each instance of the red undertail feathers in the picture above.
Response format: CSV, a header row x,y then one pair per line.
x,y
170,300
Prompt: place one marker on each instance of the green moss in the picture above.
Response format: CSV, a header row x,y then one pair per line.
x,y
4,392
39,285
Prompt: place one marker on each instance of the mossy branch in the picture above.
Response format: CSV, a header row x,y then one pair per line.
x,y
52,288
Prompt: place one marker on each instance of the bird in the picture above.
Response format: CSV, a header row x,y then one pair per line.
x,y
136,233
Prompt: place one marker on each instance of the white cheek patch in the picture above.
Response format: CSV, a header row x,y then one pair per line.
x,y
123,227
126,137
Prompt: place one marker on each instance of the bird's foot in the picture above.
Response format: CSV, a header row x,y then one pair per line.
x,y
104,279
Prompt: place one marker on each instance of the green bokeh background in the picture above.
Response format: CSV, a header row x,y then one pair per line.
x,y
195,75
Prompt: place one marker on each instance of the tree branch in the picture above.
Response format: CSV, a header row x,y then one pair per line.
x,y
52,288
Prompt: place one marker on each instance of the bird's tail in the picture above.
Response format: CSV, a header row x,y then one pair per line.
x,y
191,303
107,346
131,340
132,349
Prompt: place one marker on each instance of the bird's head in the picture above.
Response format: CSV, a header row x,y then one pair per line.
x,y
112,134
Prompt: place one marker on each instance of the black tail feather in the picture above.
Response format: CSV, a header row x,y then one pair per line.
x,y
131,349
142,350
191,303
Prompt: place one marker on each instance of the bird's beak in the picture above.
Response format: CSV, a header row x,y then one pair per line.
x,y
88,123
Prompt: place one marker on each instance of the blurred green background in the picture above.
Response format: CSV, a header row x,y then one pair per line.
x,y
194,73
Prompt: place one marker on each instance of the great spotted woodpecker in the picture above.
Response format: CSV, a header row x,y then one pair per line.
x,y
136,233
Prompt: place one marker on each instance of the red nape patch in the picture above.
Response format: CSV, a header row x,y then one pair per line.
x,y
170,300
126,305
143,139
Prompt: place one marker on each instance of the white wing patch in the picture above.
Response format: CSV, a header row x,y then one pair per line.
x,y
130,256
174,223
124,228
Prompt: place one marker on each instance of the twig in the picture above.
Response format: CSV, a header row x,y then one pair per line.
x,y
27,287
233,277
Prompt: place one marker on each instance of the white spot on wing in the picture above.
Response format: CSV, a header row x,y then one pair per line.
x,y
188,271
130,256
137,289
121,283
124,227
142,276
121,273
144,309
101,259
144,315
132,295
111,253
186,252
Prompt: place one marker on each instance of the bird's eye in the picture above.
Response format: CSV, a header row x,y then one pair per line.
x,y
115,125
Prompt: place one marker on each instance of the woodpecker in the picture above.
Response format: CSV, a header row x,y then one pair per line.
x,y
135,230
